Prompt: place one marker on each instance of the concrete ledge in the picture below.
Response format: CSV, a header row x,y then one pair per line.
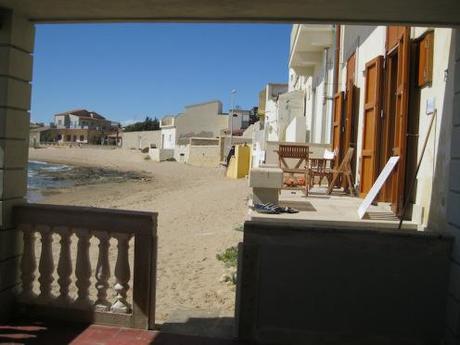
x,y
310,285
265,195
159,155
264,177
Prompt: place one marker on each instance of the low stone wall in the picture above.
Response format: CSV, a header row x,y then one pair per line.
x,y
204,155
160,155
141,139
300,284
181,153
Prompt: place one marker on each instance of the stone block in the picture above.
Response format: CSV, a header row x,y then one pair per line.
x,y
456,114
15,63
6,211
455,153
457,77
455,231
14,93
13,154
9,272
264,195
453,214
14,124
263,177
7,301
454,178
10,243
454,280
17,31
453,315
14,183
456,41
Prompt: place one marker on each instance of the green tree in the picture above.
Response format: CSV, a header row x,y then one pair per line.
x,y
148,124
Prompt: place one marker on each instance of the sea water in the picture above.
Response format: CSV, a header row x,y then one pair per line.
x,y
38,180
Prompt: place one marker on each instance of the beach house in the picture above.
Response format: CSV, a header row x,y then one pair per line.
x,y
201,121
82,126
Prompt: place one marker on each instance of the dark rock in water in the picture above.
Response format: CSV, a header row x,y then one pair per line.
x,y
90,175
44,178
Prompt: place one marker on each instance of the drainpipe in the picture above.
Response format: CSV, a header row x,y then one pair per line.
x,y
337,59
325,94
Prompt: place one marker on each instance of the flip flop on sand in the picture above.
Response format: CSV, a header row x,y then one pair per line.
x,y
279,209
265,208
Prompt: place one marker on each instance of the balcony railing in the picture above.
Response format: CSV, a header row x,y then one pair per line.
x,y
67,273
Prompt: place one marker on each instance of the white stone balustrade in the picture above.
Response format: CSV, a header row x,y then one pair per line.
x,y
83,269
122,274
28,262
65,275
102,272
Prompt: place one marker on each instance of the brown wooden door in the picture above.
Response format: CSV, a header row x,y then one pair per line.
x,y
349,104
337,128
401,116
388,120
371,125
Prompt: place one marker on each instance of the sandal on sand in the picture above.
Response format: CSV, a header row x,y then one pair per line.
x,y
290,210
279,209
265,208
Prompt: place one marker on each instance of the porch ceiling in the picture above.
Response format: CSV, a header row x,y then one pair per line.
x,y
440,12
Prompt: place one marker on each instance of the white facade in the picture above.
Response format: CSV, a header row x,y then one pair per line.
x,y
311,70
271,118
168,138
368,42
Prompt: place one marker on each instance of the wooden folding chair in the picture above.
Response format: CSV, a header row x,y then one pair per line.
x,y
300,152
344,170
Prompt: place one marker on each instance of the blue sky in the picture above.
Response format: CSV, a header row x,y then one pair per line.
x,y
129,71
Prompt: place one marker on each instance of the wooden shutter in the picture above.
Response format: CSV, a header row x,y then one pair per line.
x,y
349,104
400,130
337,128
425,63
393,36
371,126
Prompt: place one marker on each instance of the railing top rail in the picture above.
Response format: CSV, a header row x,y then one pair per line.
x,y
121,221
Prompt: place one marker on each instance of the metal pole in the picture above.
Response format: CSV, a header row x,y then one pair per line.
x,y
406,202
231,117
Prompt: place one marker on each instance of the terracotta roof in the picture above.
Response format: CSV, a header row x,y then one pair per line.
x,y
83,113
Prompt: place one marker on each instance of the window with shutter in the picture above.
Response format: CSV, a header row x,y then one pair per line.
x,y
425,67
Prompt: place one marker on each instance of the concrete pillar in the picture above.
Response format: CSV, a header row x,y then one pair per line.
x,y
16,46
453,208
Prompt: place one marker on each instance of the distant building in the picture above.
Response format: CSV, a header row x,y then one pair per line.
x,y
83,126
78,126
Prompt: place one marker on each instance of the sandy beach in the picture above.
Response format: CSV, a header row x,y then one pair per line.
x,y
199,213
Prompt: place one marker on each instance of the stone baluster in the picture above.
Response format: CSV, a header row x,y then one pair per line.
x,y
46,264
28,262
102,271
83,269
122,275
65,265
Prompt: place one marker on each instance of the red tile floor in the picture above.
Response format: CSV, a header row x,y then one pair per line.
x,y
39,333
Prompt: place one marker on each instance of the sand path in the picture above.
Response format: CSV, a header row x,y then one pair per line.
x,y
198,208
